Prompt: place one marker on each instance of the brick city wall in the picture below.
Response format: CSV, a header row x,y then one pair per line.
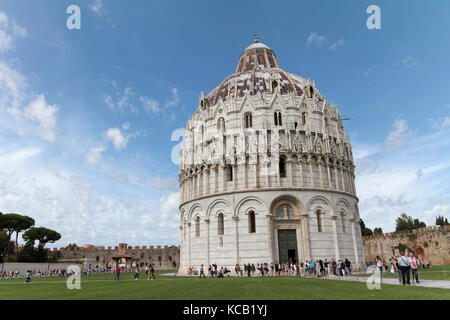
x,y
163,258
431,243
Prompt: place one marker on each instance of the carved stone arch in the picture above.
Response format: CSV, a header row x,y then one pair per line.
x,y
296,204
305,105
192,212
247,104
214,203
319,201
248,199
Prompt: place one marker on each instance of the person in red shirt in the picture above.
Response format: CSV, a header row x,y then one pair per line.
x,y
117,273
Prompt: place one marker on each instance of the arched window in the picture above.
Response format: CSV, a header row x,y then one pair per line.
x,y
220,224
311,91
248,120
197,227
229,172
278,119
221,125
343,221
282,167
274,86
319,221
251,222
304,115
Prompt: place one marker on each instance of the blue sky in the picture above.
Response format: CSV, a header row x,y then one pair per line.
x,y
87,115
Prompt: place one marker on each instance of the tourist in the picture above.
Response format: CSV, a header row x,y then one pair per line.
x,y
202,272
348,266
117,273
136,273
415,265
28,277
404,267
397,268
391,266
379,265
146,271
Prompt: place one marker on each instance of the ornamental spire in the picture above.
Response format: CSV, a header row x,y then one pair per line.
x,y
256,38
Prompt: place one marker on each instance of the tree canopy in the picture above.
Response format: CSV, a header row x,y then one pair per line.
x,y
365,231
441,221
41,234
406,223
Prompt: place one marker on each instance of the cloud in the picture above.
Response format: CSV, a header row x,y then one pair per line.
x,y
164,184
122,103
400,135
9,31
150,105
337,44
409,62
45,115
98,8
440,123
95,154
315,38
174,100
117,138
409,178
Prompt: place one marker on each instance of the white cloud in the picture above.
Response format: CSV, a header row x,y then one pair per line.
x,y
117,138
123,101
150,105
337,44
39,111
97,7
164,183
400,135
94,155
315,38
8,31
440,123
409,62
175,98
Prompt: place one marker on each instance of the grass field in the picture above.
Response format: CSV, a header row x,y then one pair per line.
x,y
173,288
441,272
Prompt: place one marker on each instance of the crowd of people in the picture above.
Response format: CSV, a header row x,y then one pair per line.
x,y
311,268
407,268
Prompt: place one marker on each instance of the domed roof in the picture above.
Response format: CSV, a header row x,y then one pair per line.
x,y
257,71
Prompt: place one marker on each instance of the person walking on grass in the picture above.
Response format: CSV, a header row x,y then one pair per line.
x,y
415,265
348,266
117,277
379,266
28,277
136,273
202,272
151,273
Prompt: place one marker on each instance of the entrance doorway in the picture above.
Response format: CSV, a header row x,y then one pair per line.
x,y
287,246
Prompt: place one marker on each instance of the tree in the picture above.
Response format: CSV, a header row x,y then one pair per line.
x,y
377,231
72,246
441,221
8,223
365,231
43,236
22,223
406,223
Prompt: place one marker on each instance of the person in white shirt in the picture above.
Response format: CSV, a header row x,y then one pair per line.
x,y
414,263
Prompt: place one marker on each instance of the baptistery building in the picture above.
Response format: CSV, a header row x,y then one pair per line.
x,y
266,172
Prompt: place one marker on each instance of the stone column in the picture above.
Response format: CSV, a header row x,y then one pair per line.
x,y
311,174
289,162
216,178
336,178
267,174
269,222
255,176
329,176
200,183
207,243
335,237
244,175
207,181
355,248
236,237
224,178
320,174
235,176
342,177
301,173
189,245
305,235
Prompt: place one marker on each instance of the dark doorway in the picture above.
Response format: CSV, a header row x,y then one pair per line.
x,y
287,246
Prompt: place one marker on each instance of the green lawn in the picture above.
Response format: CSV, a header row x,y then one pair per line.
x,y
283,288
441,272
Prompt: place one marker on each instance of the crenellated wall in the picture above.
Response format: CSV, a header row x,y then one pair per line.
x,y
163,258
431,243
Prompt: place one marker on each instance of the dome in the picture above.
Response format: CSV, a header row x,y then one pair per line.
x,y
257,72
